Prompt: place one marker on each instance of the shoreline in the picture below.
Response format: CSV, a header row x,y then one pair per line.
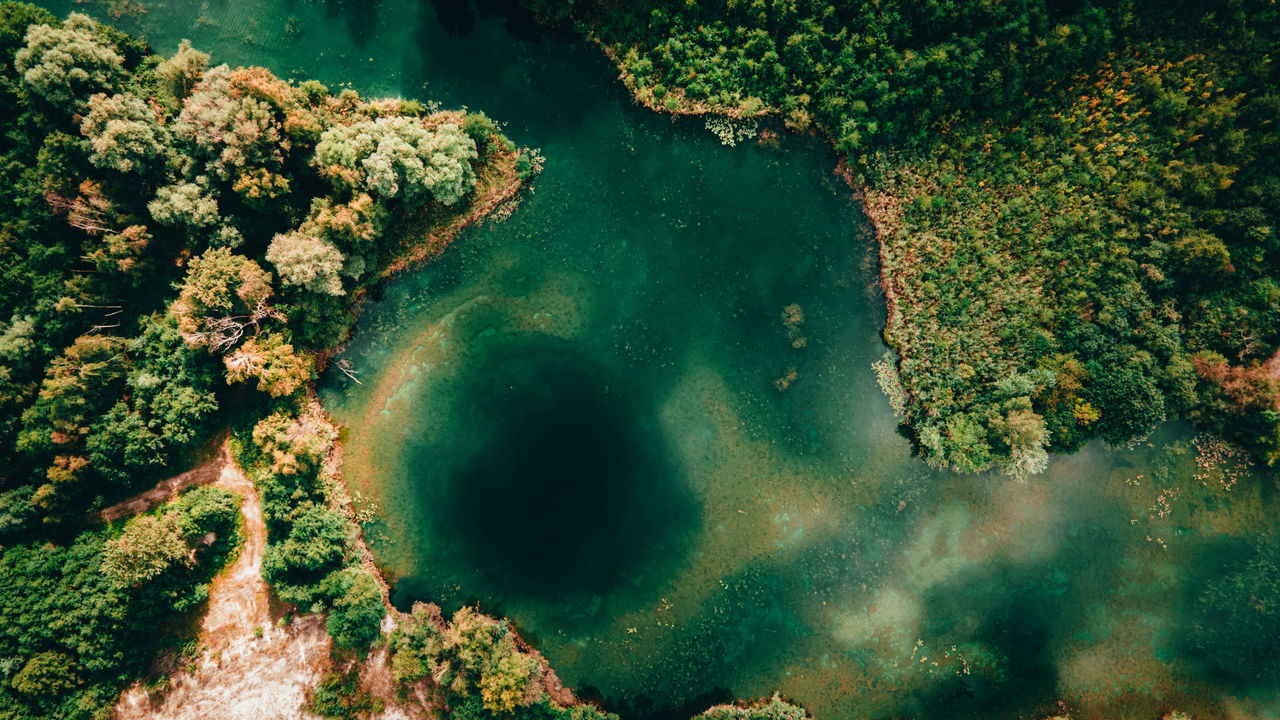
x,y
429,246
502,187
332,474
505,188
880,208
684,108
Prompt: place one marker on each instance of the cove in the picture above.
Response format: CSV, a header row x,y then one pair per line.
x,y
639,418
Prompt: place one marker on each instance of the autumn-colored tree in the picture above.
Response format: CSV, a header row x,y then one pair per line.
x,y
233,120
775,708
224,296
123,253
269,358
1242,398
77,387
293,445
473,655
260,187
354,227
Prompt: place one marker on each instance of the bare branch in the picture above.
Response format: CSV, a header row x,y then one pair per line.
x,y
345,366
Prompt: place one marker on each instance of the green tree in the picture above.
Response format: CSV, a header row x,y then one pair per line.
x,y
124,449
148,547
1130,403
125,133
1024,432
310,262
65,65
356,609
180,72
1201,256
46,676
965,444
399,156
186,203
319,542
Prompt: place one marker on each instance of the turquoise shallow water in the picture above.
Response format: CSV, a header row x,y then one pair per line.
x,y
639,418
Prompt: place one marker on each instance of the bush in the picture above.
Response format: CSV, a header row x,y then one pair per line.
x,y
318,543
340,696
356,609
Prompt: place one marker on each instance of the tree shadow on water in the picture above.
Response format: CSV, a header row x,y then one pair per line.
x,y
455,16
1232,615
459,16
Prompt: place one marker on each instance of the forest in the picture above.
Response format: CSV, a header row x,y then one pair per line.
x,y
183,244
1076,202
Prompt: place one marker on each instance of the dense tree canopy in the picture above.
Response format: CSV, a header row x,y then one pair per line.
x,y
64,65
75,621
394,155
173,256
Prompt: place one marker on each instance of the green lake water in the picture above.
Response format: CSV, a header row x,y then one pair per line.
x,y
639,418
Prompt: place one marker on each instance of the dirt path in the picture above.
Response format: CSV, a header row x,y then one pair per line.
x,y
202,474
239,675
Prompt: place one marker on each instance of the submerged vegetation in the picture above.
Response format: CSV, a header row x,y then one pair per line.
x,y
1076,202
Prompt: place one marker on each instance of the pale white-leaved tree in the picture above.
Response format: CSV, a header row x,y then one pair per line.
x,y
123,132
307,261
401,157
65,65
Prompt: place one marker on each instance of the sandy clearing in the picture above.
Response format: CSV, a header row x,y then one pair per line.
x,y
238,676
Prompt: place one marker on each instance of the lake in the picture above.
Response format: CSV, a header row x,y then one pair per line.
x,y
639,417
